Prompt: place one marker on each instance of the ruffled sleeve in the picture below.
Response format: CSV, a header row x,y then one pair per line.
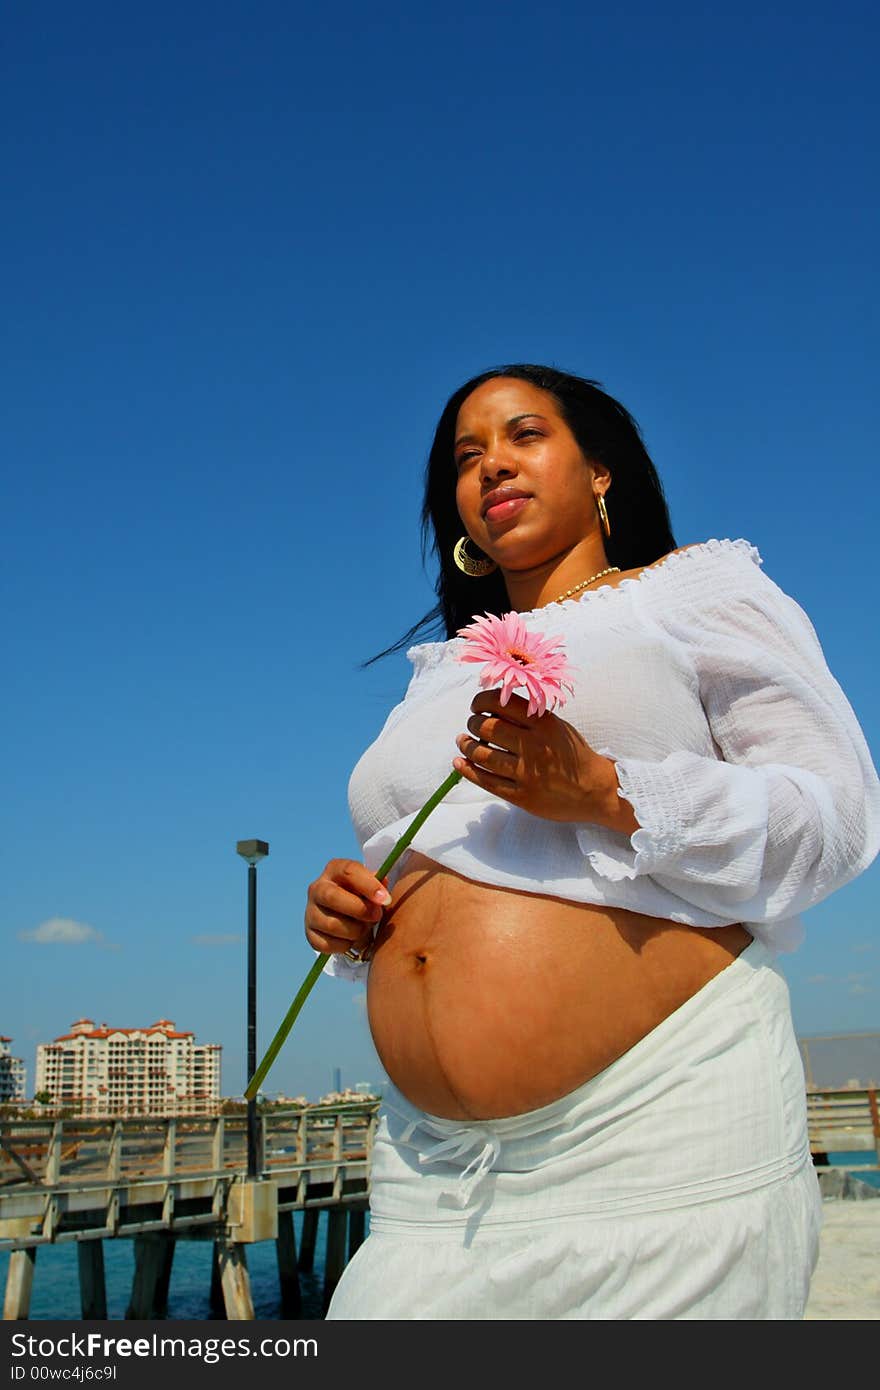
x,y
790,809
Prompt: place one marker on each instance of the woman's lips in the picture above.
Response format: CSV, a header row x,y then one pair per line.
x,y
511,506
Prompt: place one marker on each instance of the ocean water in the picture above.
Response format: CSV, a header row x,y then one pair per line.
x,y
56,1278
848,1160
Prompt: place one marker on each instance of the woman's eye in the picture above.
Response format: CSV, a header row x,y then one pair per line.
x,y
524,433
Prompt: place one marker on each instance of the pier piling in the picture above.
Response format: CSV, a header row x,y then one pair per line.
x,y
215,1298
150,1259
236,1281
306,1259
334,1260
19,1282
288,1276
163,1281
92,1284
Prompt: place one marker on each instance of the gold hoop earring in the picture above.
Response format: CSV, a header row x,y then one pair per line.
x,y
603,515
469,564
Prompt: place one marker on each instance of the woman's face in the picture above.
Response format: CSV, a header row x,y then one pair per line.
x,y
525,493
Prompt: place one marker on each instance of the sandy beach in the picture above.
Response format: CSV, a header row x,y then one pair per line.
x,y
846,1281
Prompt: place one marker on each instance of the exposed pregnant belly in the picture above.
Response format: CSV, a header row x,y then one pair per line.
x,y
486,1002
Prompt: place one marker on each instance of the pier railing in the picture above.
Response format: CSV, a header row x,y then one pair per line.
x,y
82,1153
75,1179
844,1121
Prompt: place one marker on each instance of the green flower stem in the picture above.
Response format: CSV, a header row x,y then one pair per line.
x,y
304,990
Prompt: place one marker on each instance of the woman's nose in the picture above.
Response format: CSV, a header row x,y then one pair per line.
x,y
497,463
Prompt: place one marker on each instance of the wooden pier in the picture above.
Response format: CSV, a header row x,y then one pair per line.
x,y
160,1181
844,1121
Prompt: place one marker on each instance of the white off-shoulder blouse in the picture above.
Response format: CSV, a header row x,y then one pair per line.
x,y
744,763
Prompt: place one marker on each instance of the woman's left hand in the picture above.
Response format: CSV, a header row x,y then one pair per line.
x,y
541,764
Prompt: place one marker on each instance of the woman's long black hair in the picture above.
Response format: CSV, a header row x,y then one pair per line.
x,y
641,531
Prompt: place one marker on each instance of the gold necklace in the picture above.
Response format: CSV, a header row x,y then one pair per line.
x,y
612,569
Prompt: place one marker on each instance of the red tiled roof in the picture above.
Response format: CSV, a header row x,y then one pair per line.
x,y
105,1031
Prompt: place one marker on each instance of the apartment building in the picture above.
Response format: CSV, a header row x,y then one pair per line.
x,y
12,1073
158,1070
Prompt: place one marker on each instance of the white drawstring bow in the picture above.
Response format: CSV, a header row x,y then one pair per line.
x,y
456,1146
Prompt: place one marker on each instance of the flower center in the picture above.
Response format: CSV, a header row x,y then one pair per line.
x,y
523,658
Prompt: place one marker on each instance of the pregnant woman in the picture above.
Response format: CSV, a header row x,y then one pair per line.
x,y
597,1106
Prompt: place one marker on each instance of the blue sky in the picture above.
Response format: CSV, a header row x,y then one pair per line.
x,y
248,253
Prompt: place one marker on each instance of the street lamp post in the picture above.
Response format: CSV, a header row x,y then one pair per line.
x,y
253,851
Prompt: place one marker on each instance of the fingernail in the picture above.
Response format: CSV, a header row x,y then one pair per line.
x,y
382,896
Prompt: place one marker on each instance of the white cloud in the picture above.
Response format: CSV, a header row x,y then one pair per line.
x,y
219,938
63,931
820,979
859,988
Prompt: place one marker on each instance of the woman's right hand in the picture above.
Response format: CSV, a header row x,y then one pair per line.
x,y
344,905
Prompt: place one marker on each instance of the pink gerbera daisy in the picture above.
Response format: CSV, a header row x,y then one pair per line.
x,y
516,659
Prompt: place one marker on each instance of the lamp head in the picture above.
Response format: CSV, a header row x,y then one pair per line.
x,y
252,850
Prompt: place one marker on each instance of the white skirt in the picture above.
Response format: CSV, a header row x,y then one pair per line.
x,y
675,1184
